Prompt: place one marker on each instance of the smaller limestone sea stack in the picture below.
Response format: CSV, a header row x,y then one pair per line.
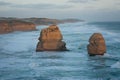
x,y
51,40
96,45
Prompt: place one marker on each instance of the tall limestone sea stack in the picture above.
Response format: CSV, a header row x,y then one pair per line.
x,y
96,45
51,40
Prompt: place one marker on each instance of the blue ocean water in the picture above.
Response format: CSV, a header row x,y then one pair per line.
x,y
19,61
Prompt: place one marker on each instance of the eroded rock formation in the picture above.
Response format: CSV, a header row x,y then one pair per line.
x,y
96,45
51,40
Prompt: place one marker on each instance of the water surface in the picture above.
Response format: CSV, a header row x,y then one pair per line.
x,y
19,61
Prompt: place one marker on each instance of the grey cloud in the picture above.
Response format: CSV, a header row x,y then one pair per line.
x,y
2,3
117,3
36,6
42,6
81,1
33,6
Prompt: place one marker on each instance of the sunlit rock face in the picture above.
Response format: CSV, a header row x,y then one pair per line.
x,y
96,45
22,26
7,26
51,40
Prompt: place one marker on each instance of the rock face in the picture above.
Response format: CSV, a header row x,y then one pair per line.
x,y
22,26
96,45
7,26
51,40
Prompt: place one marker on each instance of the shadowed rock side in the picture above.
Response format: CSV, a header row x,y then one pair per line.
x,y
7,26
96,45
51,40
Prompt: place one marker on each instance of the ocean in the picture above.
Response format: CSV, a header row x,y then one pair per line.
x,y
19,61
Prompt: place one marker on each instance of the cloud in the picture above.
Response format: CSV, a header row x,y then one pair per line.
x,y
42,6
2,3
36,6
118,3
81,1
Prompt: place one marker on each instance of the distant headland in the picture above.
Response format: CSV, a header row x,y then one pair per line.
x,y
43,21
10,24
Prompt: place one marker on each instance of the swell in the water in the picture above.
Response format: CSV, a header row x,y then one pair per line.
x,y
19,61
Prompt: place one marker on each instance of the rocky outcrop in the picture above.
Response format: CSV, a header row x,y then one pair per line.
x,y
96,45
7,26
51,40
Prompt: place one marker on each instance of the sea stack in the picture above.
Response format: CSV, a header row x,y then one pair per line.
x,y
51,40
96,45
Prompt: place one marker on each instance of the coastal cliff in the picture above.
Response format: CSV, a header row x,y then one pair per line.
x,y
26,24
7,26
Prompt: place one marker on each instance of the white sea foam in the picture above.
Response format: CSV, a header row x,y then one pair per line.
x,y
108,55
33,65
116,65
115,36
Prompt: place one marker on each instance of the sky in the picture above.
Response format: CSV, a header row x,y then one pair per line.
x,y
89,10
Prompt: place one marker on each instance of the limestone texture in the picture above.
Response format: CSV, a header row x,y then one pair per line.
x,y
96,45
51,40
